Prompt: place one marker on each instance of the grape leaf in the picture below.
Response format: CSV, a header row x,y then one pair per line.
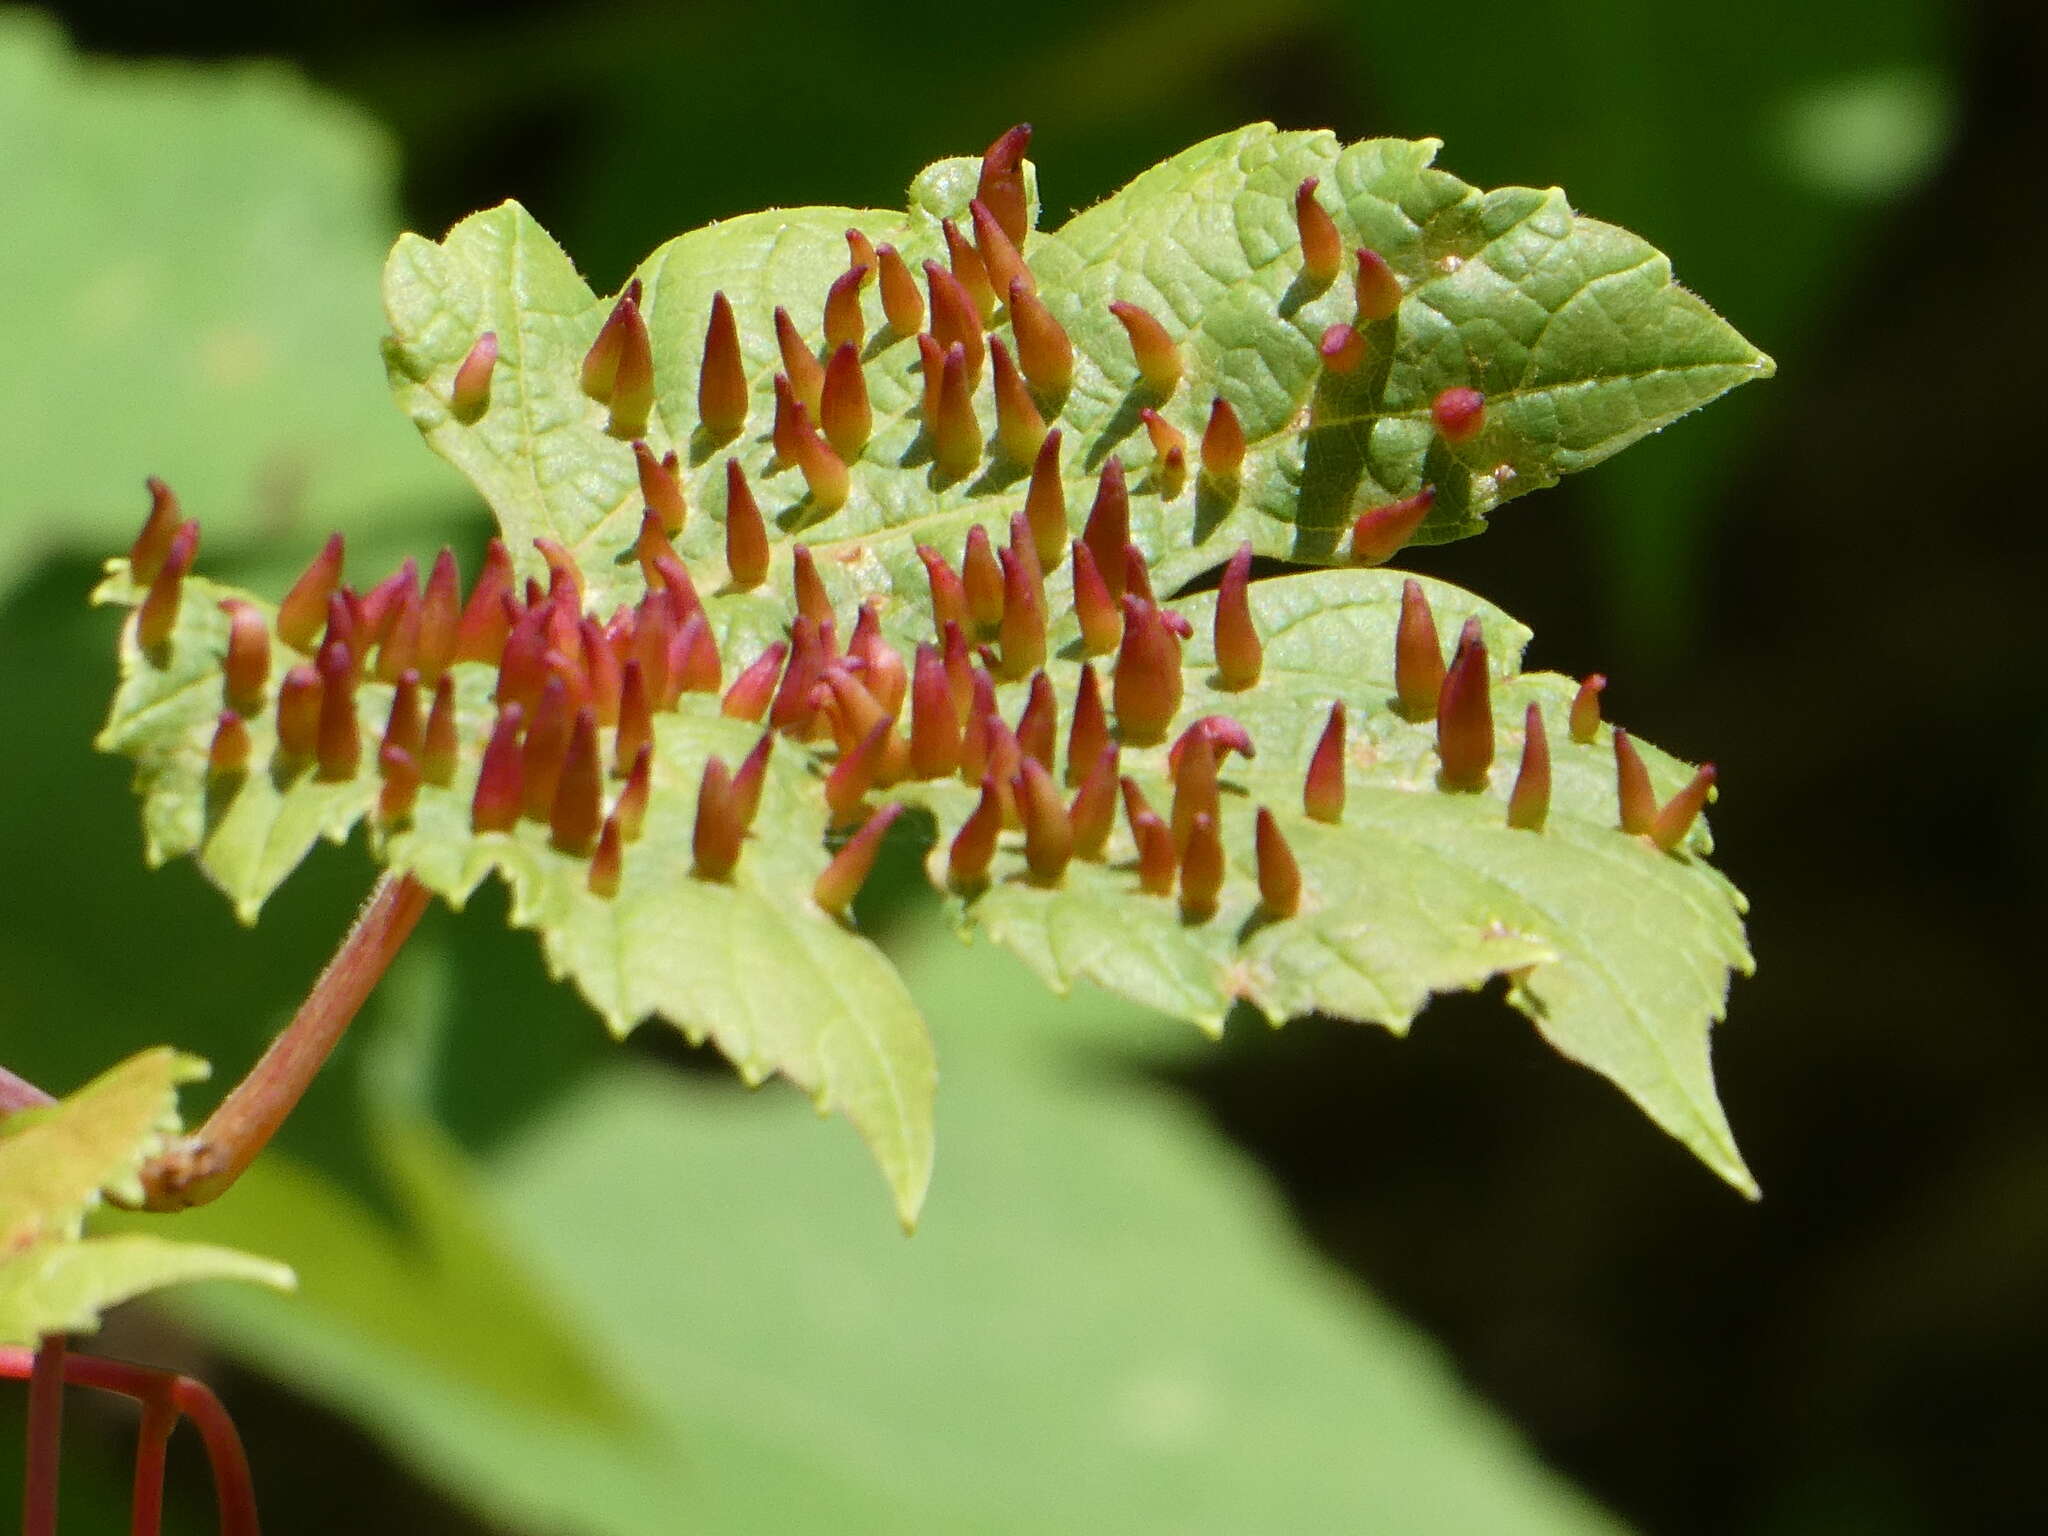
x,y
1619,951
56,1162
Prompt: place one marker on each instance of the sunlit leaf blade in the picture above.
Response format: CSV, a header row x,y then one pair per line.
x,y
63,1285
1574,331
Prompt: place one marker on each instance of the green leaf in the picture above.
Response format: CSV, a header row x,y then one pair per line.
x,y
1619,952
1108,1323
189,292
55,1164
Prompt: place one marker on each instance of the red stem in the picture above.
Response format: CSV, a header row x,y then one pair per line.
x,y
45,1438
152,1445
165,1393
203,1166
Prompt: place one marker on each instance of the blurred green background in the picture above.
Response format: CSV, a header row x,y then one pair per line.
x,y
1308,1280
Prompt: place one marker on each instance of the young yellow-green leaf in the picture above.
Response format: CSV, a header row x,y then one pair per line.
x,y
1619,949
56,1162
63,1285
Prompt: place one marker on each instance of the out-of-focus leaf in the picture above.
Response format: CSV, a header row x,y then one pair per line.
x,y
187,287
62,1285
1106,1325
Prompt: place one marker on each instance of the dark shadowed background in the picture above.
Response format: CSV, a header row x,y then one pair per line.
x,y
1826,584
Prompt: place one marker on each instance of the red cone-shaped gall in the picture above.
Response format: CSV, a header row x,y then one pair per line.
x,y
1000,257
1464,716
855,775
811,598
607,679
470,395
650,545
718,832
851,709
843,409
607,864
800,364
1279,874
722,375
1157,357
746,531
304,608
1529,803
546,748
845,326
1585,716
972,272
1378,291
343,625
565,576
1381,531
748,697
1637,801
1166,437
948,594
931,369
340,745
1418,656
1672,823
902,304
1048,833
653,631
438,749
440,617
381,605
601,363
1024,549
934,725
1194,786
1223,734
1146,687
955,319
959,667
860,249
979,722
1093,812
1038,725
495,806
402,727
693,663
1005,763
1322,791
1322,248
1001,187
824,472
577,813
1158,864
246,670
852,864
629,814
1223,444
1138,580
228,753
792,710
748,778
1020,429
480,636
400,773
298,712
1022,627
146,554
956,432
1045,501
1089,732
982,580
1170,475
1459,413
632,398
1201,871
399,652
636,717
1240,656
660,488
1342,349
1101,621
973,848
783,433
1044,351
1108,528
878,667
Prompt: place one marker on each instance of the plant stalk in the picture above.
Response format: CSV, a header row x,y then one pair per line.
x,y
203,1166
152,1447
45,1438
